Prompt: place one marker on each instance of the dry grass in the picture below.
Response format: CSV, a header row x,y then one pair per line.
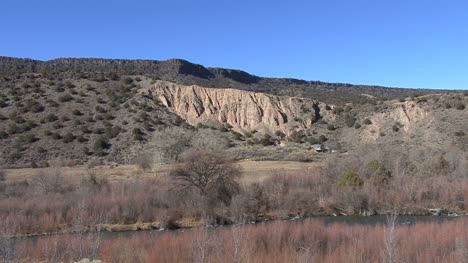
x,y
253,171
307,241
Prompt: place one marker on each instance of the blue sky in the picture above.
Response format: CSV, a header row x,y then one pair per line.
x,y
411,44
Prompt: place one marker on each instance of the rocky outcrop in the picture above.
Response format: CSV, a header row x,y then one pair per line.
x,y
243,110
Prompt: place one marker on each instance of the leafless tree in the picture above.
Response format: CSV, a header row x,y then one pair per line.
x,y
209,140
201,244
238,235
49,181
170,143
461,249
390,239
144,161
7,244
209,174
2,175
87,230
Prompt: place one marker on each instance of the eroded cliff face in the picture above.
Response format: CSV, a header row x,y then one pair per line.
x,y
243,110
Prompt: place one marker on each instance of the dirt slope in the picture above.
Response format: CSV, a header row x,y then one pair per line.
x,y
243,110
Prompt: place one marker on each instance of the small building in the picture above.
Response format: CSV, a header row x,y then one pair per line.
x,y
319,148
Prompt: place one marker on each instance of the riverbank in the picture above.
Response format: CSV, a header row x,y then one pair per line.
x,y
309,240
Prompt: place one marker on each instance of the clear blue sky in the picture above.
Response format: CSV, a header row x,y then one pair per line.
x,y
412,43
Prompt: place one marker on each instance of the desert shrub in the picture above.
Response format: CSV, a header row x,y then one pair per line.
x,y
77,112
3,135
40,150
144,162
68,137
98,131
107,116
460,133
65,98
33,106
57,125
52,103
14,116
101,100
338,110
81,139
3,104
137,134
2,175
351,179
280,134
51,117
350,120
441,166
313,140
127,81
237,135
300,157
56,136
13,129
28,138
59,88
112,132
367,122
86,150
100,109
395,128
322,138
100,145
331,127
460,106
376,173
266,140
297,136
357,125
69,85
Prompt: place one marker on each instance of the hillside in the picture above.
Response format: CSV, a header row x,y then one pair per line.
x,y
186,73
110,117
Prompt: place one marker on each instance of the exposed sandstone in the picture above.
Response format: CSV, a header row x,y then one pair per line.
x,y
243,110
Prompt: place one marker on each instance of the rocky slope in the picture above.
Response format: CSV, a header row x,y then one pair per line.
x,y
82,116
187,73
244,111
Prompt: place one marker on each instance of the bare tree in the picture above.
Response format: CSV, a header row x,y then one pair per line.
x,y
2,175
238,235
7,244
201,244
49,181
170,143
209,174
461,249
87,230
390,239
209,140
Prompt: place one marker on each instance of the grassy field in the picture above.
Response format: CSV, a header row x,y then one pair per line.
x,y
253,171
